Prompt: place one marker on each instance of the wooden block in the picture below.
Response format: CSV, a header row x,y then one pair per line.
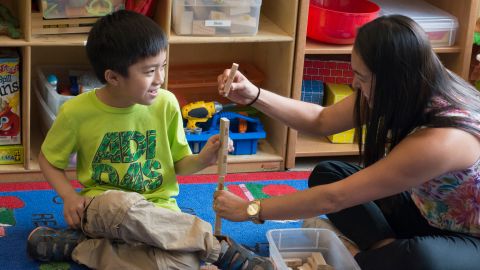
x,y
200,29
312,262
217,15
293,262
305,266
233,8
200,9
229,81
318,258
182,19
243,24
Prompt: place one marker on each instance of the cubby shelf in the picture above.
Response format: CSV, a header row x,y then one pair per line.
x,y
276,37
456,58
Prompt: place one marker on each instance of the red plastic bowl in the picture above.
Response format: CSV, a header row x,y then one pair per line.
x,y
337,21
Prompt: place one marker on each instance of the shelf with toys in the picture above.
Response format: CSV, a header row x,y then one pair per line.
x,y
455,57
276,36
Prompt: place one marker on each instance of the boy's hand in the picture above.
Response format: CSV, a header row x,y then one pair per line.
x,y
209,153
73,209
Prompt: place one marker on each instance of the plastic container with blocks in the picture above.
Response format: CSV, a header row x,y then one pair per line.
x,y
86,81
57,9
300,243
336,22
216,18
440,26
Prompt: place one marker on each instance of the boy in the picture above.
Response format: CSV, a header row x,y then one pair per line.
x,y
130,144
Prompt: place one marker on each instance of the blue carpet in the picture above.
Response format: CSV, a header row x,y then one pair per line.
x,y
21,211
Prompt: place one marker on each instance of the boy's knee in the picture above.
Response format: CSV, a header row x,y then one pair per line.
x,y
118,198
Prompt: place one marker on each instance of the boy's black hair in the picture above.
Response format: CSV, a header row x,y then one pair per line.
x,y
121,39
407,74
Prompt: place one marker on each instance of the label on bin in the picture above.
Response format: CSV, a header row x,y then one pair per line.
x,y
218,23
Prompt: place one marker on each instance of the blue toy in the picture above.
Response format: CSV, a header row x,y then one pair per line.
x,y
244,143
52,79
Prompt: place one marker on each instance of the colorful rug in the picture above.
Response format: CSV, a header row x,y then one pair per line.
x,y
24,206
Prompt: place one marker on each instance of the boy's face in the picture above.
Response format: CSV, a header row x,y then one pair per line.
x,y
144,80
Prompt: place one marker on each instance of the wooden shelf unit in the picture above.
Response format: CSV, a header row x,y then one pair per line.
x,y
456,58
276,37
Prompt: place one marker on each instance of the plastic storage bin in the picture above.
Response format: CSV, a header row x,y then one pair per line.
x,y
336,22
244,143
216,18
85,78
440,26
47,117
56,9
300,243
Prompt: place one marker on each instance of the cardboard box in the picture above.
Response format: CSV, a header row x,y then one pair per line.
x,y
10,117
11,154
335,93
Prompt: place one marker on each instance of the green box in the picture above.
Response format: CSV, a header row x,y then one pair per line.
x,y
11,154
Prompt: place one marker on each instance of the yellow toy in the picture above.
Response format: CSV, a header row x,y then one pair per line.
x,y
201,111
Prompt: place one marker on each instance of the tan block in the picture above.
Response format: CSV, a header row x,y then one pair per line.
x,y
293,262
199,28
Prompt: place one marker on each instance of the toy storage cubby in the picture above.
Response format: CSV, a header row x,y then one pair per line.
x,y
271,50
456,58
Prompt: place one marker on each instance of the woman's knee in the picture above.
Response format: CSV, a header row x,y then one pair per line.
x,y
326,172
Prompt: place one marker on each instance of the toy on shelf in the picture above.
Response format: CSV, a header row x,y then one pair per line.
x,y
201,112
8,23
244,143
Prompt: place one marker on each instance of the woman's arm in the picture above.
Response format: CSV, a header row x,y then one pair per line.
x,y
417,159
303,116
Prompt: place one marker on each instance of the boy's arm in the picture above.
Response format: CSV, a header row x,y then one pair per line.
x,y
189,164
74,204
208,156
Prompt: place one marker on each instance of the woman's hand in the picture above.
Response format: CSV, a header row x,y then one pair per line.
x,y
230,206
242,91
209,153
73,209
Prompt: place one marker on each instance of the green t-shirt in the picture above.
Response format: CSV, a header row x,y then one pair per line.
x,y
131,149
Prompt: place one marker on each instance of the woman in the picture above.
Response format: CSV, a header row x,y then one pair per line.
x,y
415,203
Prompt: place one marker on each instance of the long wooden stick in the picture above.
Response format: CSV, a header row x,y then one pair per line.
x,y
222,165
229,81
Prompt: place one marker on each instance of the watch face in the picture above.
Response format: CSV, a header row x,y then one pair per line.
x,y
252,209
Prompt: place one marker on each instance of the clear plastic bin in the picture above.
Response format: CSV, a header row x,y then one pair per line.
x,y
57,9
440,26
300,243
47,117
85,78
216,18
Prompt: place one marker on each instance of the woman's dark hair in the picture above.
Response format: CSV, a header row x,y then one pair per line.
x,y
121,39
407,74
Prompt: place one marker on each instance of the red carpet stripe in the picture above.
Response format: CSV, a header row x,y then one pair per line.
x,y
191,179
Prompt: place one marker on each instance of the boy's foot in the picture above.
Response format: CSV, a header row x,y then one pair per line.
x,y
234,256
47,244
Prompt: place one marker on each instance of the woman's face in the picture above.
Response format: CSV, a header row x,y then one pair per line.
x,y
363,79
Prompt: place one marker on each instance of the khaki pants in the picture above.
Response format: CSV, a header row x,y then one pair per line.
x,y
128,232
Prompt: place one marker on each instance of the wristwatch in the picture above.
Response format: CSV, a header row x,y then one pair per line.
x,y
253,211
